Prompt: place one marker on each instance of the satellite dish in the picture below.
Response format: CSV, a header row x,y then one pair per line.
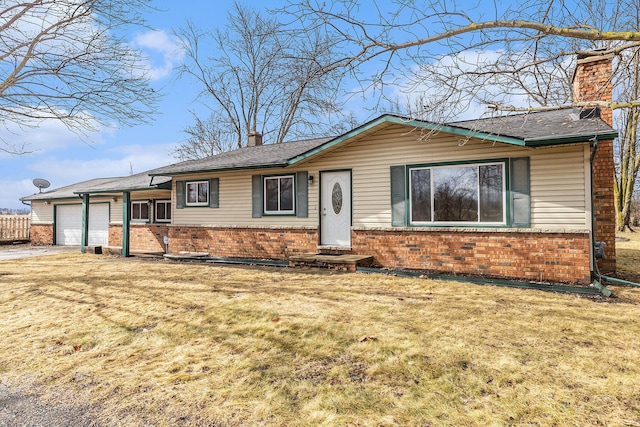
x,y
41,183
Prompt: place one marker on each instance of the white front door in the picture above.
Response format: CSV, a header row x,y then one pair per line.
x,y
335,217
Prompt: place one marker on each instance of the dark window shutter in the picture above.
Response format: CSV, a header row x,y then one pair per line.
x,y
214,192
520,195
302,194
256,196
398,196
180,190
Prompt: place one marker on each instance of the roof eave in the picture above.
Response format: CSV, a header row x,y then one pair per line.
x,y
33,198
569,139
117,190
227,169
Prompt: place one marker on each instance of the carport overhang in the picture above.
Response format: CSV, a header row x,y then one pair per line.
x,y
115,190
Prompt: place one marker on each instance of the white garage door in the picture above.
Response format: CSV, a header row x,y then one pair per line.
x,y
69,224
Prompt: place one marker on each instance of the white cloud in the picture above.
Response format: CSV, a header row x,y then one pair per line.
x,y
118,162
13,190
162,53
48,135
61,172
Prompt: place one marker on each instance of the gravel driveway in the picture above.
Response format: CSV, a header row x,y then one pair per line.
x,y
23,409
20,408
24,251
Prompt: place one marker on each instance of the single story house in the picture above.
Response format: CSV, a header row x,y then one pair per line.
x,y
523,196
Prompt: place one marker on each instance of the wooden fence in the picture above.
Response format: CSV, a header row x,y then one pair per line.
x,y
14,228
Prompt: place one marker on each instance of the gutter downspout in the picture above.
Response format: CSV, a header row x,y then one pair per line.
x,y
595,273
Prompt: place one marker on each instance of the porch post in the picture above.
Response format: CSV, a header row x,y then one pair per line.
x,y
126,222
85,223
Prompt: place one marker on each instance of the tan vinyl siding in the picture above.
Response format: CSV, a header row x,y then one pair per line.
x,y
235,203
557,202
41,213
115,211
151,195
558,189
559,180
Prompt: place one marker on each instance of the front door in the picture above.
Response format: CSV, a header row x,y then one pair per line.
x,y
335,216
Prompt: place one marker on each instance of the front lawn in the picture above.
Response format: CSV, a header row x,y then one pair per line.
x,y
161,343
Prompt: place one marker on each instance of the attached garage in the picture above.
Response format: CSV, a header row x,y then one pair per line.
x,y
68,224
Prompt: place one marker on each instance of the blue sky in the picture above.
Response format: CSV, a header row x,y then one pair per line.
x,y
64,158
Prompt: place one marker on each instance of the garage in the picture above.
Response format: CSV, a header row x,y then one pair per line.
x,y
68,222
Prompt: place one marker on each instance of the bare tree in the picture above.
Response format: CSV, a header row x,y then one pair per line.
x,y
627,147
205,138
510,57
67,60
258,76
459,55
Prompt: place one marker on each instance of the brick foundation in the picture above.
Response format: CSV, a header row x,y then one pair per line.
x,y
142,237
241,242
41,234
555,257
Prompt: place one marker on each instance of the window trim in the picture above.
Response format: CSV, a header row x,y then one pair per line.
x,y
186,193
506,211
279,212
140,202
155,210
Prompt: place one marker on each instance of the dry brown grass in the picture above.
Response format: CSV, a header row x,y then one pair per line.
x,y
628,256
158,343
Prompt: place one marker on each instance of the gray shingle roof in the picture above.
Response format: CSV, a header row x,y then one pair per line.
x,y
68,191
135,182
138,182
244,158
538,126
531,129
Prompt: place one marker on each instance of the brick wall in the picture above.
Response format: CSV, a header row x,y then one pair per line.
x,y
41,234
604,208
556,257
592,82
232,242
115,235
552,257
142,237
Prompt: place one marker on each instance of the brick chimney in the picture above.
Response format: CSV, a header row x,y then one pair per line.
x,y
255,139
592,82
